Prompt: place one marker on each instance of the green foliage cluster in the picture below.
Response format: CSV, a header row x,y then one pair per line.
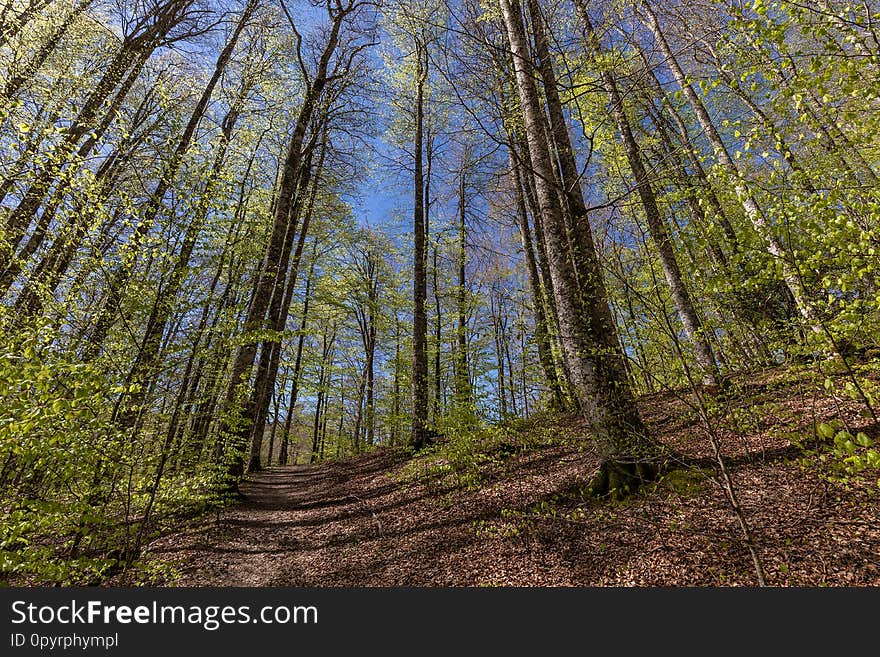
x,y
843,455
72,486
54,442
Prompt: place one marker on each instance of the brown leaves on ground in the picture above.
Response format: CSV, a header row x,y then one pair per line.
x,y
358,522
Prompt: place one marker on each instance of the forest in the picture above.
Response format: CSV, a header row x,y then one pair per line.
x,y
440,292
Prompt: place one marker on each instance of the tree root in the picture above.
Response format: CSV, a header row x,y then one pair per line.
x,y
618,480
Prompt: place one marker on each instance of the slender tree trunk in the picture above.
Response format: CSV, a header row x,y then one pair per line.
x,y
297,366
542,335
341,425
275,408
693,327
438,337
395,409
19,79
499,354
462,369
326,351
31,146
559,141
419,436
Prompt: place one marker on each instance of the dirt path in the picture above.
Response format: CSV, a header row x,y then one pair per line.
x,y
351,524
291,515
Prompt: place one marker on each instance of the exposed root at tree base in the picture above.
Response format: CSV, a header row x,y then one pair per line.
x,y
620,479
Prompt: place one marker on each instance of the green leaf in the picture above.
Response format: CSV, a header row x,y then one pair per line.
x,y
863,440
825,430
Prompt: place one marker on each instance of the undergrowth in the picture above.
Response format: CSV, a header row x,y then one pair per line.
x,y
469,456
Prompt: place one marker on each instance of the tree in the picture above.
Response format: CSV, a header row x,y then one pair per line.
x,y
598,376
656,224
273,271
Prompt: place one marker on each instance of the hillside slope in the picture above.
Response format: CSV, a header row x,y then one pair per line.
x,y
508,507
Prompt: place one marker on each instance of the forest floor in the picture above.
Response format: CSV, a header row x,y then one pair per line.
x,y
511,509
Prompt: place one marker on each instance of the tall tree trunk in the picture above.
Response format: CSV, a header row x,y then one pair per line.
x,y
419,437
297,366
559,142
463,391
233,430
688,184
499,352
395,407
520,150
323,376
588,335
542,335
275,408
279,308
438,334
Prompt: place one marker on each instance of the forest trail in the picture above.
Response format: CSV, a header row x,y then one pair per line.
x,y
349,523
293,519
523,519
